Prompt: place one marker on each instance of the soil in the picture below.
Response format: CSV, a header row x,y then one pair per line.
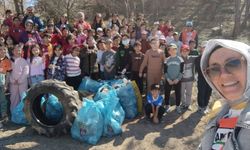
x,y
176,131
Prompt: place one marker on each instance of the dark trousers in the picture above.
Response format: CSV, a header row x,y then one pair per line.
x,y
74,81
148,111
177,89
138,80
204,92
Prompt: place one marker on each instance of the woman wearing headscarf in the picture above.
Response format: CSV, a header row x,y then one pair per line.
x,y
226,68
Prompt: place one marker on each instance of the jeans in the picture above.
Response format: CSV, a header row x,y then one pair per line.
x,y
36,79
3,102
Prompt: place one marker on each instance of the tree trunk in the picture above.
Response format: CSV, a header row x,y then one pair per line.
x,y
21,6
17,8
143,6
127,7
237,19
247,14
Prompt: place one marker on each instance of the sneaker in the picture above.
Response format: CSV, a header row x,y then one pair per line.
x,y
206,111
178,109
190,108
184,106
167,109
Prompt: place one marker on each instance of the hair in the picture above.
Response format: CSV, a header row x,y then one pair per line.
x,y
31,54
8,11
154,39
54,54
192,41
137,43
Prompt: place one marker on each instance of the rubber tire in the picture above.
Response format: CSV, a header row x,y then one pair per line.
x,y
69,99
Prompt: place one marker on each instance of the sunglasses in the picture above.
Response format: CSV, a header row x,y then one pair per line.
x,y
231,66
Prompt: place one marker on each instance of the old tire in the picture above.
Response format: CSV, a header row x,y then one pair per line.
x,y
69,99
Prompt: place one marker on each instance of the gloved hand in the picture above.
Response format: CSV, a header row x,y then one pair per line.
x,y
123,71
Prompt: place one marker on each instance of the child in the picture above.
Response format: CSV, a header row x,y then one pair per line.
x,y
5,68
204,90
188,77
193,50
101,49
136,59
173,74
73,70
122,55
153,60
57,65
154,104
18,76
37,66
108,61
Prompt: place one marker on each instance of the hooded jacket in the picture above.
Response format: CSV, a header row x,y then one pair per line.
x,y
240,137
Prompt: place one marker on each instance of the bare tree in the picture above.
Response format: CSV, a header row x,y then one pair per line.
x,y
246,14
18,6
237,18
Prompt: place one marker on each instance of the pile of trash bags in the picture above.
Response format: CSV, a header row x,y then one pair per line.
x,y
101,116
127,92
113,101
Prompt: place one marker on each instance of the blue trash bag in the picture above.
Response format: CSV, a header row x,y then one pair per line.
x,y
112,112
17,114
128,100
88,125
105,91
52,107
116,83
90,85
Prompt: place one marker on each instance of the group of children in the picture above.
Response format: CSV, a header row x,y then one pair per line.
x,y
179,73
30,54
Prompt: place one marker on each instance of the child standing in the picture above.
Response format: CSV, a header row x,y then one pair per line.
x,y
154,104
5,68
153,60
204,90
101,49
56,69
173,74
37,66
73,70
18,76
187,78
108,61
136,59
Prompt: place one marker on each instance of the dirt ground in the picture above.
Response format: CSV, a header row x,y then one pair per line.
x,y
176,131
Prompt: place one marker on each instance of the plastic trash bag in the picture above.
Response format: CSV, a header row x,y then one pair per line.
x,y
90,85
52,107
128,100
88,125
112,112
138,97
17,114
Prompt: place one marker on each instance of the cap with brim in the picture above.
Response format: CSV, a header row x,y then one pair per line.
x,y
29,21
175,33
108,41
99,30
185,47
155,87
172,45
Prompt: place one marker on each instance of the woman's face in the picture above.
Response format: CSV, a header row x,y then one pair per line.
x,y
228,72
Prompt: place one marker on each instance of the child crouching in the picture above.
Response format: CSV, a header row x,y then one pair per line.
x,y
154,104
